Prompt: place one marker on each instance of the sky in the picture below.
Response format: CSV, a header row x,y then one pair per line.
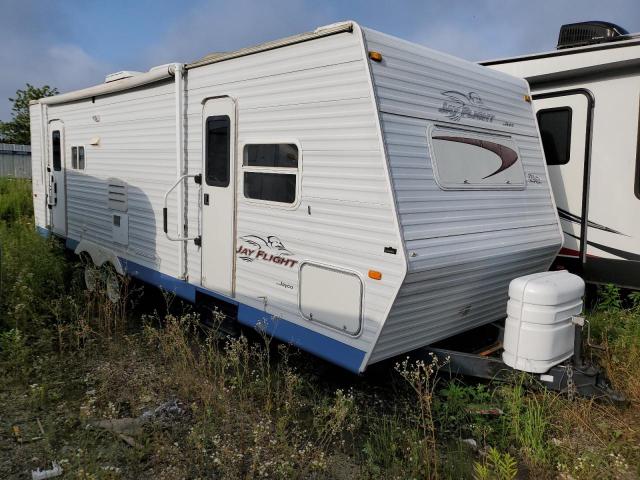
x,y
71,44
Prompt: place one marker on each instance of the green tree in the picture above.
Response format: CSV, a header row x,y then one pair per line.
x,y
17,130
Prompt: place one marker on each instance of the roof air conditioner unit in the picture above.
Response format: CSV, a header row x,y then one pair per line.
x,y
588,33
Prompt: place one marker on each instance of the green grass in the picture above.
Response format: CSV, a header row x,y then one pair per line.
x,y
15,199
254,409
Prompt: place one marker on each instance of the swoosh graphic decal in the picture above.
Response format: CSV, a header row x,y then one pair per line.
x,y
507,155
614,251
571,217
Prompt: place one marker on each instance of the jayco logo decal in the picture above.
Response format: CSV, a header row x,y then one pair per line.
x,y
459,105
266,249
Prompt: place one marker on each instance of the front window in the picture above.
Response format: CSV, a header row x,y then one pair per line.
x,y
470,160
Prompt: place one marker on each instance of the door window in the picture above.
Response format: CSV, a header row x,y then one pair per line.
x,y
217,151
56,153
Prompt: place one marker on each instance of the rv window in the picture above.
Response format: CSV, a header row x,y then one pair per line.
x,y
217,151
55,151
271,172
273,187
272,155
80,158
468,160
77,158
555,131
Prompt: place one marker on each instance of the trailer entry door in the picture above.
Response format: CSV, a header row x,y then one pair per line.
x,y
563,120
56,188
218,194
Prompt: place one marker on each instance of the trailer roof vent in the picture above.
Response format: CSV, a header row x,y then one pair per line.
x,y
588,33
112,77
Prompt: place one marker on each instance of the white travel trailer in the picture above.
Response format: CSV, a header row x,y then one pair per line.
x,y
351,193
586,95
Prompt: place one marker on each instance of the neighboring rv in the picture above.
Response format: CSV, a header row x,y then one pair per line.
x,y
586,95
348,192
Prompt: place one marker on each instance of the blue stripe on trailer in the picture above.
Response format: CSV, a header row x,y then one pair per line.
x,y
71,244
344,355
43,232
171,284
320,345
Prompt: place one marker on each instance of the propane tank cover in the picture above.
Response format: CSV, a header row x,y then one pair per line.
x,y
539,331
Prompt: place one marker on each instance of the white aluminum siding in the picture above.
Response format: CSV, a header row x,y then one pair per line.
x,y
315,93
136,131
463,246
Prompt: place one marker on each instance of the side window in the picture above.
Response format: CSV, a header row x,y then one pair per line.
x,y
271,172
555,131
55,150
77,158
80,158
217,151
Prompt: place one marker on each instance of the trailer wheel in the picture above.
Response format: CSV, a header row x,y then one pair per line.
x,y
91,273
91,277
113,284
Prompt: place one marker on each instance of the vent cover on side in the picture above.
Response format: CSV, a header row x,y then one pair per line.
x,y
587,33
117,191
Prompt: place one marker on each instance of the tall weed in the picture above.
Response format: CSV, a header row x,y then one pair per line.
x,y
15,199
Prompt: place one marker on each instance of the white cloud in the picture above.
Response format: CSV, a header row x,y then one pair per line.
x,y
223,26
73,67
31,51
37,43
487,29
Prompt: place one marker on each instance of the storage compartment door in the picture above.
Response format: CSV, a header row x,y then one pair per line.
x,y
331,297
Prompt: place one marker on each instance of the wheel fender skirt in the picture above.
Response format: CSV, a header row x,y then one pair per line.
x,y
99,255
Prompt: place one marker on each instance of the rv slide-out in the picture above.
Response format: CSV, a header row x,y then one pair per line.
x,y
351,193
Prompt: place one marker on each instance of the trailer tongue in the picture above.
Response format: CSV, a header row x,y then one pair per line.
x,y
543,336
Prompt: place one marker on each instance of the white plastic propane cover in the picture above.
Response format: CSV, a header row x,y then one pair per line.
x,y
539,332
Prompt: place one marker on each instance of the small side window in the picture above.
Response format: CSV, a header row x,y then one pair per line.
x,y
56,154
217,151
77,158
271,172
555,131
80,158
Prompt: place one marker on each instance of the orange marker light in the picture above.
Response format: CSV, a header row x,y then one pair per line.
x,y
375,275
527,98
375,56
